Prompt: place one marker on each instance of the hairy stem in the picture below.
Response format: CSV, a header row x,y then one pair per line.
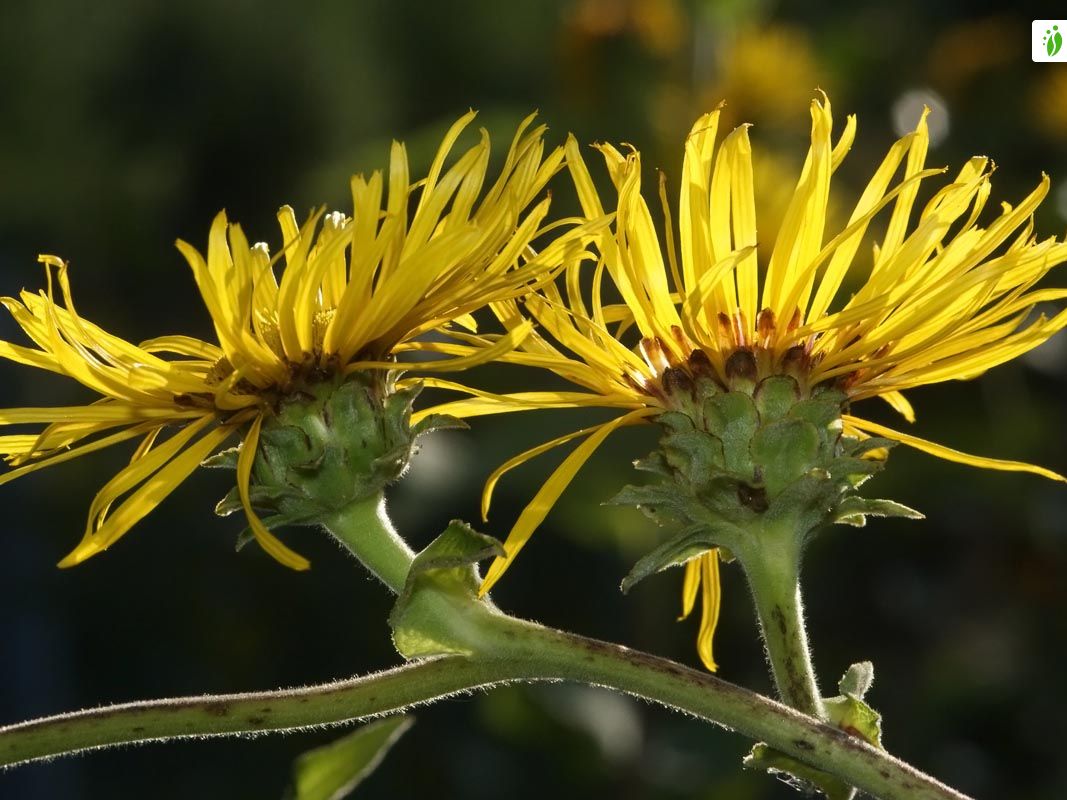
x,y
773,571
366,530
533,653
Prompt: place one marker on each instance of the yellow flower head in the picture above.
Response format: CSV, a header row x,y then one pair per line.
x,y
938,297
354,291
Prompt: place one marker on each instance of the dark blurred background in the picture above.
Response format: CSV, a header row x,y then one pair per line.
x,y
124,125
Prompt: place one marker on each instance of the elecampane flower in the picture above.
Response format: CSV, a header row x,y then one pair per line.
x,y
353,292
942,298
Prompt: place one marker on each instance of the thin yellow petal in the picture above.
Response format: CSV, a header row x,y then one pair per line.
x,y
152,492
690,587
711,600
546,497
267,540
504,344
947,453
67,455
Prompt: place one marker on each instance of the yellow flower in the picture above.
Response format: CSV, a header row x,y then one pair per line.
x,y
350,296
939,298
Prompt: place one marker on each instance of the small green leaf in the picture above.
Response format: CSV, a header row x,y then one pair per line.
x,y
453,555
446,571
857,680
333,771
799,774
849,712
855,717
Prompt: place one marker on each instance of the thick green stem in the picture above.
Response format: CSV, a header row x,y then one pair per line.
x,y
503,650
529,653
773,571
365,529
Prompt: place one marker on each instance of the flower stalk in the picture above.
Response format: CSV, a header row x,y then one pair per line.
x,y
365,530
532,654
473,645
774,578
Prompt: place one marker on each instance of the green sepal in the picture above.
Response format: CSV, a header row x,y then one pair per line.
x,y
224,459
854,510
775,397
333,771
687,545
270,522
731,417
244,538
327,445
260,497
824,412
783,450
805,503
661,503
438,422
446,570
767,461
654,463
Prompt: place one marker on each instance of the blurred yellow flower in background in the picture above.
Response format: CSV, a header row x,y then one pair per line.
x,y
766,71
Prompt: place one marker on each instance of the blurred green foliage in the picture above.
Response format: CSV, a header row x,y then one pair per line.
x,y
126,124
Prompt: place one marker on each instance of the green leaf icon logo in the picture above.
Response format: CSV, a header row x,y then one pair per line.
x,y
1053,41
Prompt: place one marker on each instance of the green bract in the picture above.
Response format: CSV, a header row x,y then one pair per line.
x,y
736,462
331,444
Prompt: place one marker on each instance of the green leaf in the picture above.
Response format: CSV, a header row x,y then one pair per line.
x,y
799,774
849,712
332,772
444,574
857,680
